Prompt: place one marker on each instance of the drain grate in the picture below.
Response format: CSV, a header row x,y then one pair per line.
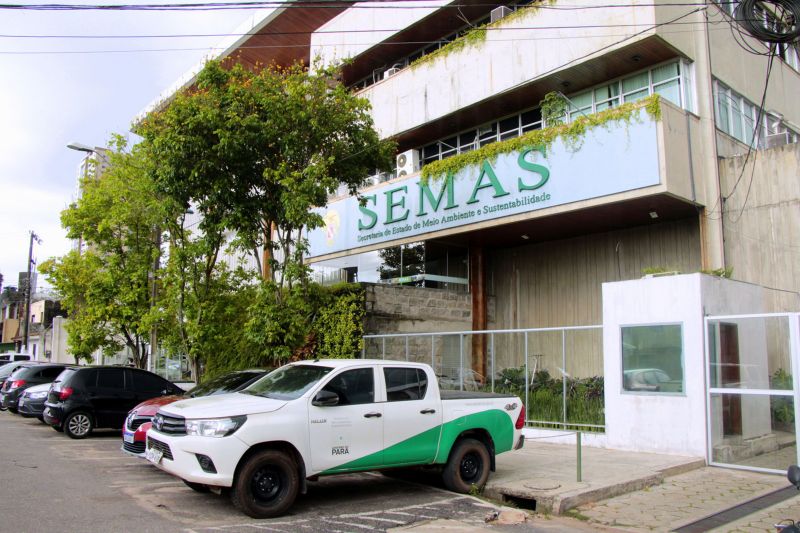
x,y
520,503
739,511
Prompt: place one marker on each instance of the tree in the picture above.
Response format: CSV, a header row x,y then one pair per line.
x,y
256,150
202,302
107,289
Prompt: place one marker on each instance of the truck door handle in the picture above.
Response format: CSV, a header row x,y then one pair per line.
x,y
428,411
372,415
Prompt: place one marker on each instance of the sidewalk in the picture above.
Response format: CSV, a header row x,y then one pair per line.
x,y
543,476
619,491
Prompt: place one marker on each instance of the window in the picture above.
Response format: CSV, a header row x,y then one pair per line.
x,y
353,387
403,384
143,382
110,378
52,372
738,117
652,358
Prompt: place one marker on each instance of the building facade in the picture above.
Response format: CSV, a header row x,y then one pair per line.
x,y
547,150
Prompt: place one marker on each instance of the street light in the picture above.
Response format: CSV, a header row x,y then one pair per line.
x,y
80,147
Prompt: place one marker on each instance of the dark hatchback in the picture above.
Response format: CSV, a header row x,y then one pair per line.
x,y
25,377
84,398
8,369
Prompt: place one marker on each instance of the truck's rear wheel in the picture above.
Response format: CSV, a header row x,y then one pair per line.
x,y
467,466
266,485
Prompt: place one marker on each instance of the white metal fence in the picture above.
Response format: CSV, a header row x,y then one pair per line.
x,y
558,372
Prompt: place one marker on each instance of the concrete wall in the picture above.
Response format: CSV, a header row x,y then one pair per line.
x,y
762,241
669,423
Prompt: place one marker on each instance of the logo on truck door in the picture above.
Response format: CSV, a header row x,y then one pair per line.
x,y
340,450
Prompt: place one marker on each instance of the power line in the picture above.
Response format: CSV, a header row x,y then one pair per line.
x,y
371,43
322,32
317,4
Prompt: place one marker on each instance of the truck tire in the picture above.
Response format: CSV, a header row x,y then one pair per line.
x,y
266,485
467,466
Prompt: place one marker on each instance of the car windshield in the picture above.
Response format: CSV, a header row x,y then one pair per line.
x,y
222,384
288,382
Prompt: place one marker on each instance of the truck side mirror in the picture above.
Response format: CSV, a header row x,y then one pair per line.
x,y
325,398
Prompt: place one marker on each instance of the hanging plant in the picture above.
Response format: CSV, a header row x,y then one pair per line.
x,y
554,107
572,134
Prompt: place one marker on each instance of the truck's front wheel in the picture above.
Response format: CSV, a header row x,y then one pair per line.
x,y
467,466
267,484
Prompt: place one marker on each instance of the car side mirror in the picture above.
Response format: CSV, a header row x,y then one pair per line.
x,y
793,475
325,398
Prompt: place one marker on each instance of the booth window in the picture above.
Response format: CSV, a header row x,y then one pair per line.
x,y
652,358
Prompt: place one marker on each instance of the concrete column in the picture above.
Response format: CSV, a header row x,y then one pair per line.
x,y
477,289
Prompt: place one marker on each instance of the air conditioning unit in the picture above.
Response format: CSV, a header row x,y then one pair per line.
x,y
778,139
499,13
407,162
390,72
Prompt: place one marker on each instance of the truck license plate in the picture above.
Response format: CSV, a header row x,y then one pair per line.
x,y
153,455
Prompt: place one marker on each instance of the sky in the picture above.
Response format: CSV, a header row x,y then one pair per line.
x,y
53,98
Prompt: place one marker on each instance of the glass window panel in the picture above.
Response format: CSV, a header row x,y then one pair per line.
x,y
466,141
581,100
723,121
449,146
431,151
487,134
404,384
670,90
635,83
531,117
736,118
606,92
665,72
638,95
353,387
753,430
652,358
606,105
510,123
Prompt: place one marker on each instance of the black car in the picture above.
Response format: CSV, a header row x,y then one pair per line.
x,y
31,402
84,398
24,377
8,369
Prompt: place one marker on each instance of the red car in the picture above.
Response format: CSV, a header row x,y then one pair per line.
x,y
140,418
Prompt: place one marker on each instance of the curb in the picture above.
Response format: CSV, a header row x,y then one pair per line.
x,y
555,503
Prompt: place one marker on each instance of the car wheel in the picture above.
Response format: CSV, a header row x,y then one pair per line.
x,y
467,467
12,410
197,487
41,419
267,484
78,425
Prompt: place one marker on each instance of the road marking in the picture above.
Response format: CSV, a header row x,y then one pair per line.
x,y
350,524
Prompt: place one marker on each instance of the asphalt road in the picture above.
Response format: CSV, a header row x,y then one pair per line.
x,y
54,483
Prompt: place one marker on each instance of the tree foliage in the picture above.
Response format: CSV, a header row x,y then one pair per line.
x,y
107,288
256,150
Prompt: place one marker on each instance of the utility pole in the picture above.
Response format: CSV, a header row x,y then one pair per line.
x,y
28,286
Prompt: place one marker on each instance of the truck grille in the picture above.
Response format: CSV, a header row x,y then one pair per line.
x,y
163,447
169,425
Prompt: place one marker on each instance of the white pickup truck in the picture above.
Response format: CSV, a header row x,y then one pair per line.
x,y
322,417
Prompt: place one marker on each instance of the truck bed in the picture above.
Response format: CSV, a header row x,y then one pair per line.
x,y
471,395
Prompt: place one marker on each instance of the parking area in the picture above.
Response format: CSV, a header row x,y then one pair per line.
x,y
57,483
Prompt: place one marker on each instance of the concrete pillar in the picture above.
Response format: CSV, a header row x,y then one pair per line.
x,y
477,289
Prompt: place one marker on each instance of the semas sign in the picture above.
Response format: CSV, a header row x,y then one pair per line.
x,y
609,159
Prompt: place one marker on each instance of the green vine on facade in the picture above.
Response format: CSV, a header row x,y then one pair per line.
x,y
554,108
475,36
571,133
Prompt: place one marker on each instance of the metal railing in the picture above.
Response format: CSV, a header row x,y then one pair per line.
x,y
538,364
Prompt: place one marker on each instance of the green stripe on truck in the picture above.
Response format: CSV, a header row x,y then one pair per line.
x,y
414,450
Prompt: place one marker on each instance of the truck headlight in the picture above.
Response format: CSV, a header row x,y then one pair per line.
x,y
214,427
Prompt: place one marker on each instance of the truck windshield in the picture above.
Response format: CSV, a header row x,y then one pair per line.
x,y
288,382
